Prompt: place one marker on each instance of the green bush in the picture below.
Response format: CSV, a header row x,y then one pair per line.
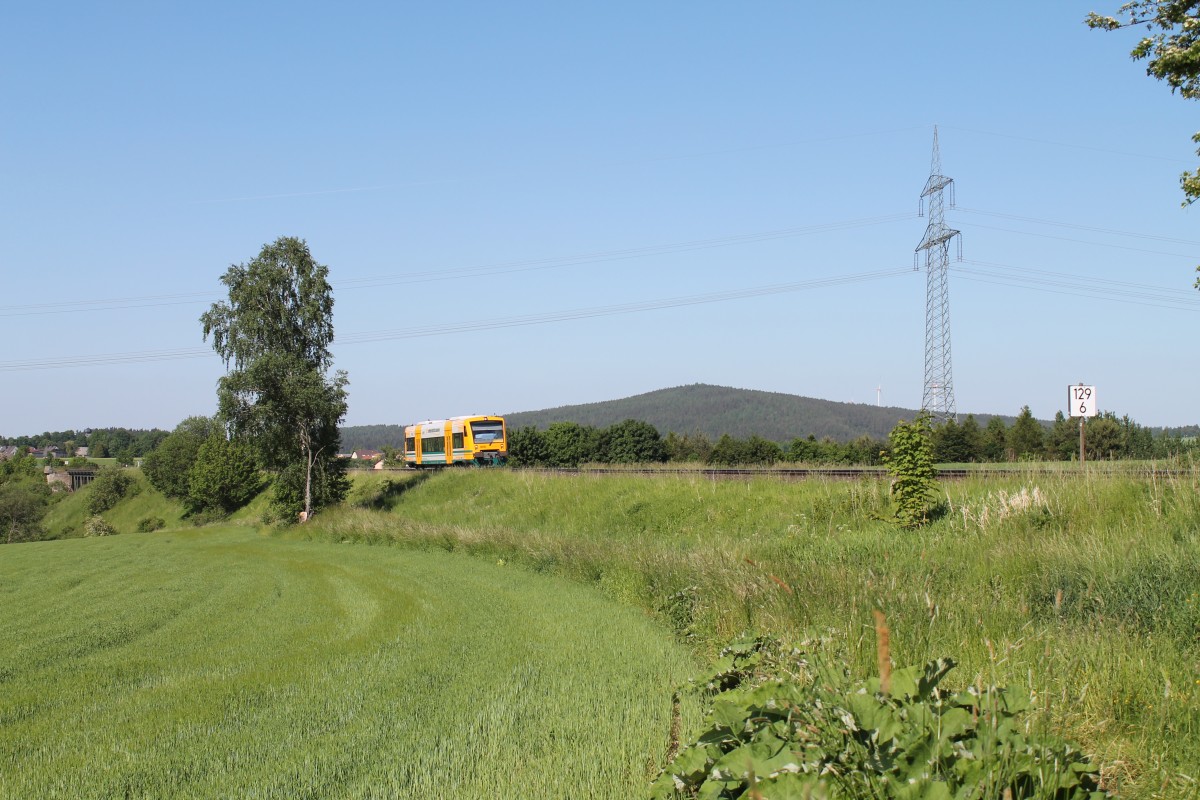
x,y
223,477
109,487
914,477
149,524
98,526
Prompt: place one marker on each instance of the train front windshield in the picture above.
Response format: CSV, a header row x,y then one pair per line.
x,y
487,432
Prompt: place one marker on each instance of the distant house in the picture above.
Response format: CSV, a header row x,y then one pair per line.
x,y
7,451
81,452
367,455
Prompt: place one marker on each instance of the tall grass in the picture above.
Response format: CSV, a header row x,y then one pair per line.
x,y
1083,590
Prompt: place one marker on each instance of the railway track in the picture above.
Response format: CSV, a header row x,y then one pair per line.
x,y
833,473
843,473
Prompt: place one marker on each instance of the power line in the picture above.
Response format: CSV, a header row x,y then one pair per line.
x,y
1070,145
524,265
1123,286
474,325
1079,286
500,268
1077,226
594,164
993,273
1083,241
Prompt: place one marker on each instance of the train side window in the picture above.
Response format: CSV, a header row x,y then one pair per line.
x,y
458,441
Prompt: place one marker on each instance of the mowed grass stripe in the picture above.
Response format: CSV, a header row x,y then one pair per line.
x,y
221,664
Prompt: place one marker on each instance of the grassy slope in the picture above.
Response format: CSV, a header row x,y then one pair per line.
x,y
67,516
1083,591
214,663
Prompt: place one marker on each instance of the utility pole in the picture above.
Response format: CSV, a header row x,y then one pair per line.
x,y
938,395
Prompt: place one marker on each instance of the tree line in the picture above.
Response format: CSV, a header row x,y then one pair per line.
x,y
1108,437
126,445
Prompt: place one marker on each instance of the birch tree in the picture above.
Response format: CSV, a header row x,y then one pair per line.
x,y
279,393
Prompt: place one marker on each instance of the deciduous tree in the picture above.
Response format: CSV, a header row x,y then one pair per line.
x,y
278,394
527,448
168,466
569,444
23,503
633,442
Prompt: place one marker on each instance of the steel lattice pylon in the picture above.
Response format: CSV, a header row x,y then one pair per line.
x,y
938,396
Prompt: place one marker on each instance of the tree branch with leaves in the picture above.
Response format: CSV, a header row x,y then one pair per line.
x,y
1172,54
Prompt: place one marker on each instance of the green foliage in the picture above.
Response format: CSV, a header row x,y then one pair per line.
x,y
223,477
123,444
23,504
793,723
1172,52
150,524
168,466
1062,440
689,447
632,442
68,512
995,440
914,477
22,466
569,444
274,335
108,488
958,444
1026,438
96,525
755,451
527,447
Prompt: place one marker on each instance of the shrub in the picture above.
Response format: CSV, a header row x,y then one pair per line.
x,y
110,485
168,465
913,473
96,525
149,524
223,477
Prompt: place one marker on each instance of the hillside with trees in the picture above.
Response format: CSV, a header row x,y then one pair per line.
x,y
713,411
719,410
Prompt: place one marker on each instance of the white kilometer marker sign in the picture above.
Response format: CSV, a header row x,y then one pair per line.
x,y
1081,400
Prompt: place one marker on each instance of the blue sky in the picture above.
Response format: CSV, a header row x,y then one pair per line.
x,y
463,163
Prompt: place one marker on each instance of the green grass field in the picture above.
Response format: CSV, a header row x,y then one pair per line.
x,y
1085,592
221,663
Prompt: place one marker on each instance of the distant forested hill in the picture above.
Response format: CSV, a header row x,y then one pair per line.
x,y
700,408
371,437
716,410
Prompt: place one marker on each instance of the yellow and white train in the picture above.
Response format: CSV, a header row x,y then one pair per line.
x,y
478,440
